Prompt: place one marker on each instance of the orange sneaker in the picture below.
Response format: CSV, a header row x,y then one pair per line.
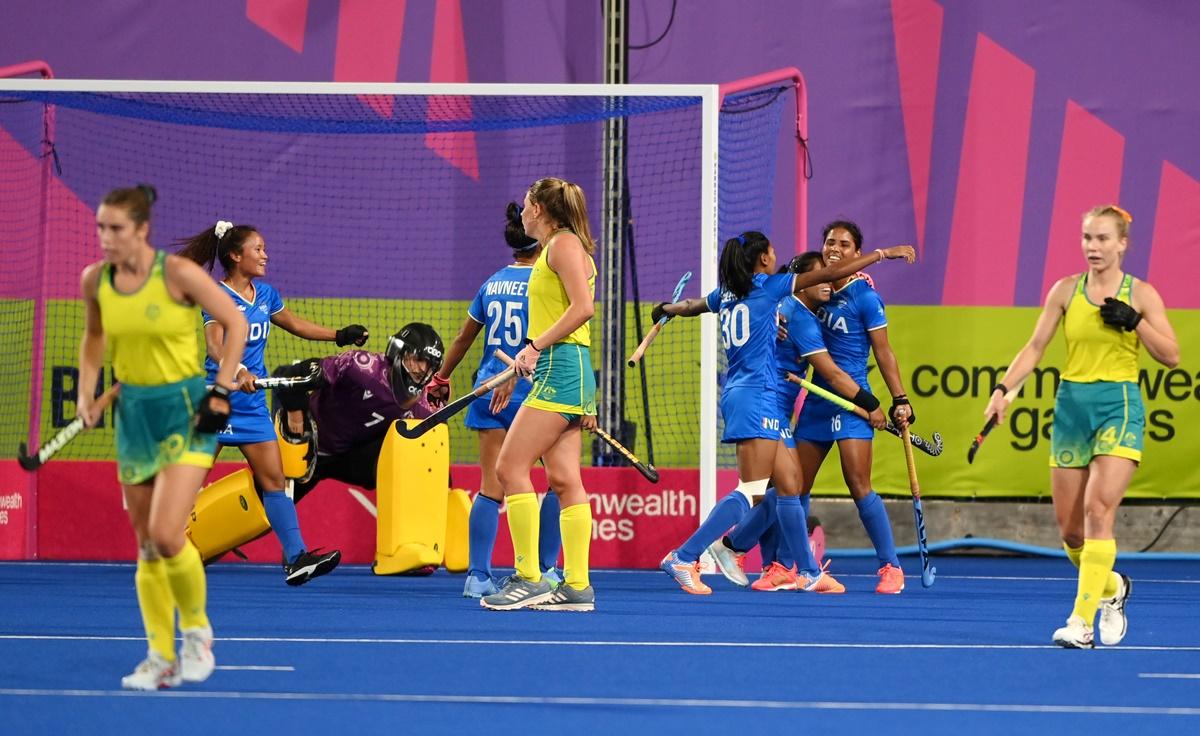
x,y
776,577
891,580
823,583
687,574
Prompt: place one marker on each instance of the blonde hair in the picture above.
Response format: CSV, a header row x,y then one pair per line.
x,y
1119,215
565,204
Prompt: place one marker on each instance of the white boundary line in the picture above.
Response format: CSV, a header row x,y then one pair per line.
x,y
1169,675
602,643
257,667
1141,710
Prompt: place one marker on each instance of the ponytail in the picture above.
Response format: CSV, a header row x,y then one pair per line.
x,y
217,243
735,272
565,203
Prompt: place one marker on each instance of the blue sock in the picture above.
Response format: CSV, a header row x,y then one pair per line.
x,y
550,537
793,527
769,545
784,554
879,528
281,512
484,520
726,513
751,528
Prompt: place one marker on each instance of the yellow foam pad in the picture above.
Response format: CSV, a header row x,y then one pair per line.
x,y
412,482
458,531
228,513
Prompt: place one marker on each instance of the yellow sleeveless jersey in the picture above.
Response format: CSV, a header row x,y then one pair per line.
x,y
548,301
153,337
1095,351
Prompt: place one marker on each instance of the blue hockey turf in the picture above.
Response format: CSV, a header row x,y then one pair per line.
x,y
352,652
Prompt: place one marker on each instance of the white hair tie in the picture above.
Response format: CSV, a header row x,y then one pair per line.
x,y
222,227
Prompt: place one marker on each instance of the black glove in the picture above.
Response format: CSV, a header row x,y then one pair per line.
x,y
899,401
1120,315
356,334
659,312
209,419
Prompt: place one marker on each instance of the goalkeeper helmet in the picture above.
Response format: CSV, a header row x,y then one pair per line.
x,y
413,345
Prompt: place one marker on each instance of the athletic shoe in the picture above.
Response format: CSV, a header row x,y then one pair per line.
x,y
196,660
517,593
153,673
822,583
477,587
419,572
310,565
732,564
816,542
687,574
891,580
776,577
1112,614
553,576
566,598
1075,635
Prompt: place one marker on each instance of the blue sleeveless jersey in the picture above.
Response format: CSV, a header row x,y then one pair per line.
x,y
804,339
748,330
502,306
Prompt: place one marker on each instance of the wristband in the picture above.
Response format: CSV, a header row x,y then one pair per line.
x,y
529,342
866,400
219,390
1001,388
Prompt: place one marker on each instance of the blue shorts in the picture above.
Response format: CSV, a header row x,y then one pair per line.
x,y
751,413
822,421
249,420
480,416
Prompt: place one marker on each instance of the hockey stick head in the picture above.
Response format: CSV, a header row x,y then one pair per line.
x,y
27,461
413,432
979,438
936,448
927,576
679,287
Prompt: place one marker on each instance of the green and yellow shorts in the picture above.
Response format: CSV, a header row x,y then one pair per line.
x,y
1101,418
154,430
564,382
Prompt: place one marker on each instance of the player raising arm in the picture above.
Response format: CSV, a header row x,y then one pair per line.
x,y
242,253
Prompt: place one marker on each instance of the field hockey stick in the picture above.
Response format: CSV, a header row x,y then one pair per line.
x,y
927,571
289,381
64,436
653,333
648,472
932,449
991,422
442,415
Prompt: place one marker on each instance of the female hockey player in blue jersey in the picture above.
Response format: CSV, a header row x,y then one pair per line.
x,y
242,253
854,325
746,300
500,310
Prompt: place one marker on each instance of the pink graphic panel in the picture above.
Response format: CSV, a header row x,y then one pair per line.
x,y
20,184
368,45
283,19
1089,173
917,26
448,63
985,230
1176,244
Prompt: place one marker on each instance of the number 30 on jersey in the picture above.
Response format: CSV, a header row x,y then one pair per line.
x,y
735,326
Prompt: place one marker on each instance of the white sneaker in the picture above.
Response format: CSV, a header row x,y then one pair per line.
x,y
730,563
153,673
1075,635
196,661
1112,614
